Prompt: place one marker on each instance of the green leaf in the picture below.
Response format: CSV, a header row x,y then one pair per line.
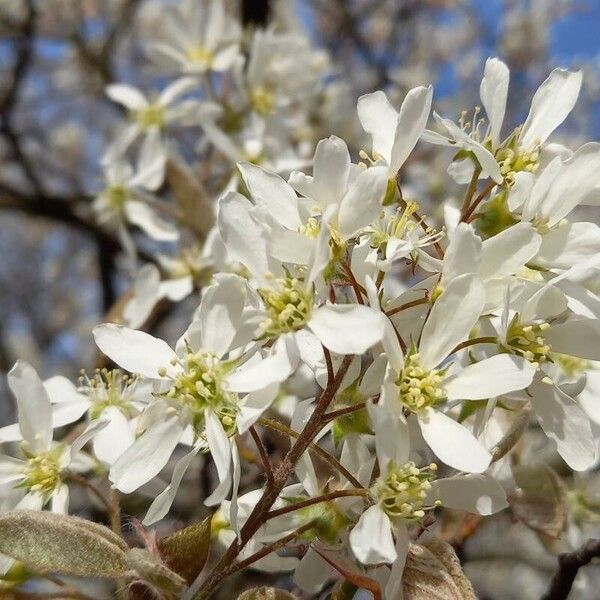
x,y
266,593
186,550
46,542
155,573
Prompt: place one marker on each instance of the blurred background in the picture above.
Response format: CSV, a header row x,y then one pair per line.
x,y
61,272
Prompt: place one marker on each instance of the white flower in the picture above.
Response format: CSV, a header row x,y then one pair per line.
x,y
40,475
199,388
520,151
421,382
395,134
201,37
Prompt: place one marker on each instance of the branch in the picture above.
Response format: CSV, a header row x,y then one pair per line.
x,y
569,564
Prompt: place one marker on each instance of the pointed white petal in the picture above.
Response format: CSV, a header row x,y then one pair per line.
x,y
577,337
331,170
478,494
371,539
551,104
362,203
380,119
147,220
128,96
463,254
142,461
566,424
111,442
33,405
135,351
491,377
162,503
412,119
453,443
493,92
463,299
347,329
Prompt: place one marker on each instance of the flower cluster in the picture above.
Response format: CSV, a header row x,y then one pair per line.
x,y
399,348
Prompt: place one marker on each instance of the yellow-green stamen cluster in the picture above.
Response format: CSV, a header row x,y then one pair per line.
x,y
109,388
420,388
512,159
262,100
528,340
200,54
311,228
571,365
288,304
150,116
200,384
42,472
115,197
403,491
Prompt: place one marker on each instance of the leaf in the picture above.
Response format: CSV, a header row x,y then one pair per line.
x,y
540,502
265,593
445,554
186,550
426,577
152,571
47,542
191,198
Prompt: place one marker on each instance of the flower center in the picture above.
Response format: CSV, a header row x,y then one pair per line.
x,y
116,196
200,54
150,116
262,100
109,388
42,471
403,491
200,385
418,387
528,340
513,159
288,305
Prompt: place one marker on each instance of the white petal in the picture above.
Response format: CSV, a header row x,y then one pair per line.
x,y
10,433
126,95
551,104
254,405
331,170
463,299
393,588
568,244
506,253
146,293
493,92
361,205
478,494
275,368
177,88
463,254
162,503
250,248
380,119
33,405
520,192
347,329
220,450
142,461
220,313
135,351
371,539
566,424
145,218
11,469
270,191
577,337
112,441
60,500
391,434
453,443
572,184
151,163
491,377
412,119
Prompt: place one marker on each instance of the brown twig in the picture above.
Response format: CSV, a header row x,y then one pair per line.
x,y
264,456
316,500
569,564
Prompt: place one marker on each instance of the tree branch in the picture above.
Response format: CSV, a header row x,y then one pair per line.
x,y
569,564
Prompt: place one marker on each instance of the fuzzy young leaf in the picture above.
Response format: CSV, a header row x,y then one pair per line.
x,y
186,550
47,542
427,576
155,573
540,501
